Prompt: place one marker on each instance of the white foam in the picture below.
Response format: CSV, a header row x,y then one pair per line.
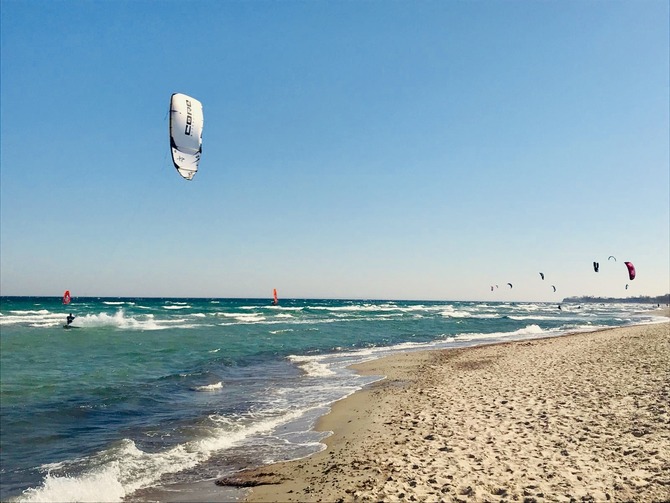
x,y
101,486
313,366
244,317
115,474
452,313
44,318
119,320
270,306
529,329
209,387
40,318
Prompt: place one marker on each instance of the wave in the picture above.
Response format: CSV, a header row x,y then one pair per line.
x,y
209,387
270,306
312,366
40,319
122,321
367,308
534,317
119,319
114,474
41,311
450,312
244,317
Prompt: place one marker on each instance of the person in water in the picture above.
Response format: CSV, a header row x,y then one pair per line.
x,y
70,319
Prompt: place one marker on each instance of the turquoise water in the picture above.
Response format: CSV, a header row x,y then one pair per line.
x,y
145,393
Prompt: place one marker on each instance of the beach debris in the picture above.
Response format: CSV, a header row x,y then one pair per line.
x,y
186,123
251,479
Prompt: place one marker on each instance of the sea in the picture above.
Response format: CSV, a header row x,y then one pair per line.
x,y
146,399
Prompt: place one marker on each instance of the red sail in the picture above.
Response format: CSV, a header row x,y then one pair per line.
x,y
274,293
66,297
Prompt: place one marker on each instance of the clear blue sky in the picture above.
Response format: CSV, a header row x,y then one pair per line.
x,y
400,149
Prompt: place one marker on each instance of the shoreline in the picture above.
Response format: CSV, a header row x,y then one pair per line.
x,y
582,415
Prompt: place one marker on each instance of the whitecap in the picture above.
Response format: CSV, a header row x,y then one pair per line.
x,y
313,366
209,387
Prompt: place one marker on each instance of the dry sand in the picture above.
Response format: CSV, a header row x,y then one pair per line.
x,y
579,417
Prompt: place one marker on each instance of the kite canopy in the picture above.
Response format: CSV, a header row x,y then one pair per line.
x,y
542,275
631,270
186,123
596,266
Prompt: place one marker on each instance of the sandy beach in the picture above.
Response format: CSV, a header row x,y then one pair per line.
x,y
578,417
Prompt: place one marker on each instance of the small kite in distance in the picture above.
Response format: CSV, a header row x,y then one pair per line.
x,y
596,266
542,275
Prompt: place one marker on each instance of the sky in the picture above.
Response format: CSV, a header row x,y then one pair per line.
x,y
368,150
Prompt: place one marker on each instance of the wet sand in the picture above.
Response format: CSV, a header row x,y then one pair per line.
x,y
578,417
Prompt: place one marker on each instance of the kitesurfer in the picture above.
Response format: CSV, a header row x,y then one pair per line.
x,y
70,319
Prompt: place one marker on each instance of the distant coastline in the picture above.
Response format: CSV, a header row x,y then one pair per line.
x,y
660,299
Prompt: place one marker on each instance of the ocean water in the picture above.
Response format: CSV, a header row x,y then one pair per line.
x,y
144,394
